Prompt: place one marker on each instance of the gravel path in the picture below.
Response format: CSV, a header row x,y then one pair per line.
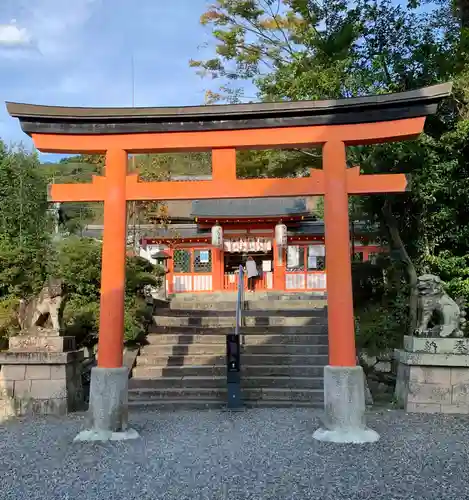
x,y
260,454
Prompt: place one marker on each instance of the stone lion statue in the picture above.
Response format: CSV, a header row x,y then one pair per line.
x,y
434,301
43,314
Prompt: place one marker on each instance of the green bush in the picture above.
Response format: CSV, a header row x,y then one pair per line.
x,y
382,326
367,282
79,264
8,319
81,320
453,270
382,313
137,319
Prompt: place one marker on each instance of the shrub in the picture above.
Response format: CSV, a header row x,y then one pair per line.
x,y
81,318
79,264
8,319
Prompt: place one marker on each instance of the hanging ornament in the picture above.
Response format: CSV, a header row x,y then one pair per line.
x,y
217,236
281,235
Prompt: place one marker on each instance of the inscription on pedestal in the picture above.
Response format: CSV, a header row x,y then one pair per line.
x,y
26,343
436,345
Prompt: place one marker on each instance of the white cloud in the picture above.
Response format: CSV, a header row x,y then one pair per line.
x,y
12,36
53,27
58,25
80,53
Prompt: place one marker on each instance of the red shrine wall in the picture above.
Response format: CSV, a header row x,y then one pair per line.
x,y
196,266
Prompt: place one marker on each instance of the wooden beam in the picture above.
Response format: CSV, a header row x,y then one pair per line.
x,y
374,183
221,188
93,191
265,138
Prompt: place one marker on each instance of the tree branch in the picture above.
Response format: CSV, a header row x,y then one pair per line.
x,y
397,243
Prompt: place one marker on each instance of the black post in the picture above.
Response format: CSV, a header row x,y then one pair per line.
x,y
233,371
233,351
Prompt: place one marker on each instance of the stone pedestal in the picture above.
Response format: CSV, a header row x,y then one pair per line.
x,y
433,375
40,375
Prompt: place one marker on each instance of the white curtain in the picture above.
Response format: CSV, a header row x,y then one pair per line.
x,y
241,245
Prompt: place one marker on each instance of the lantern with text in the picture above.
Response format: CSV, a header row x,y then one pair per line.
x,y
281,241
281,235
217,236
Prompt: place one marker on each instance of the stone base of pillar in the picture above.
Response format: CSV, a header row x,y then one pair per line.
x,y
344,404
108,411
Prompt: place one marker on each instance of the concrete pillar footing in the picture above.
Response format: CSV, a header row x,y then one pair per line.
x,y
93,435
108,411
344,407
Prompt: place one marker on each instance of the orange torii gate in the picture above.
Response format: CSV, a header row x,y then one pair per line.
x,y
224,129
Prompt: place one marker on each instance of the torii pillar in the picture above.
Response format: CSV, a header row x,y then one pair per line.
x,y
344,383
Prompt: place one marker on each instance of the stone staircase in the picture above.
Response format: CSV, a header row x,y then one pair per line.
x,y
183,365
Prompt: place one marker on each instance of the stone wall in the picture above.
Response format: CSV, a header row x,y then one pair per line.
x,y
433,375
379,374
40,383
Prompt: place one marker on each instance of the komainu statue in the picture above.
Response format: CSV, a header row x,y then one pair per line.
x,y
436,306
42,315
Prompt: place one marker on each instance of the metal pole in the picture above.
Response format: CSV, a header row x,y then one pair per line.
x,y
233,352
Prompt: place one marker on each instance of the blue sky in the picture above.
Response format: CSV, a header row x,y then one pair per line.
x,y
79,53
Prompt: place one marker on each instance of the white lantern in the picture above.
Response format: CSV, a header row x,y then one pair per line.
x,y
217,236
281,235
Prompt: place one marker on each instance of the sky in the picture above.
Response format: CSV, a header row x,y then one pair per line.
x,y
79,53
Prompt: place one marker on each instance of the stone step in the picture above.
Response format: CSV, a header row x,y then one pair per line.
x,y
275,394
246,359
246,330
158,405
183,339
220,382
249,305
229,321
260,295
258,313
154,372
171,350
266,403
175,404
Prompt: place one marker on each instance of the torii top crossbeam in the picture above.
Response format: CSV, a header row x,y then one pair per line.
x,y
223,129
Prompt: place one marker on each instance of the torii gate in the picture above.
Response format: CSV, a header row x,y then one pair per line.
x,y
223,129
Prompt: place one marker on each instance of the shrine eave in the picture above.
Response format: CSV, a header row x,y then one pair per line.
x,y
39,119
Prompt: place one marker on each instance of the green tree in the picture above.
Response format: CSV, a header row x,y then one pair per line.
x,y
24,223
308,49
79,264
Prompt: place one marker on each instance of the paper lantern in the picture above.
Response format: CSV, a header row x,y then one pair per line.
x,y
217,236
281,235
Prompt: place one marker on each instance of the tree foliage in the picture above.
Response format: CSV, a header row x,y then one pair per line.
x,y
24,223
79,264
313,49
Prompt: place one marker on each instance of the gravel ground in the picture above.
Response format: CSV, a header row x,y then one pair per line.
x,y
260,454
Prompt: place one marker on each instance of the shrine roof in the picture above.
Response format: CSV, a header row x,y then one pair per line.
x,y
253,207
37,119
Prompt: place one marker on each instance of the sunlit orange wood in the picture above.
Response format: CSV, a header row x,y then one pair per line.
x,y
228,187
286,137
376,183
224,165
340,315
111,317
93,191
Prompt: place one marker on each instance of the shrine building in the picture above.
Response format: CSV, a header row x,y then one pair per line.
x,y
204,255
